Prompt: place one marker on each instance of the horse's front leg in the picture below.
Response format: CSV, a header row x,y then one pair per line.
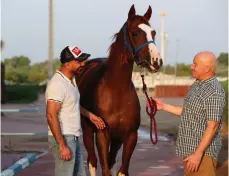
x,y
103,141
88,139
129,144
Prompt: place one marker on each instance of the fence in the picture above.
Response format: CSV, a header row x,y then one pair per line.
x,y
171,90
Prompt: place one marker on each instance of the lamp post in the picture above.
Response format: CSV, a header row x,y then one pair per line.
x,y
163,14
50,58
176,61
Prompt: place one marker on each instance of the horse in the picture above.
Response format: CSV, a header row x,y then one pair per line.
x,y
106,89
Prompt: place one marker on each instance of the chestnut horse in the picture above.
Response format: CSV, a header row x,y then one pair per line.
x,y
107,90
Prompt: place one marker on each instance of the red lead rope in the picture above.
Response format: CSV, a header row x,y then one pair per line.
x,y
151,109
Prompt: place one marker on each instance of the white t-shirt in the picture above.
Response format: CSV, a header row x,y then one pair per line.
x,y
60,89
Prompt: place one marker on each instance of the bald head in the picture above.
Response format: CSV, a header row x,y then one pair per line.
x,y
204,65
207,59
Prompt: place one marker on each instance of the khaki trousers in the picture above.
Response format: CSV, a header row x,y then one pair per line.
x,y
207,168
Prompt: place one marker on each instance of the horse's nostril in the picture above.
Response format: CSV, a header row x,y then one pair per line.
x,y
156,65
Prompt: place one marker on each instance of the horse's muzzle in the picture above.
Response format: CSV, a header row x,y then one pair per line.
x,y
154,67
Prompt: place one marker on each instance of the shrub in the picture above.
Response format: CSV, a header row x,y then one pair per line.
x,y
21,93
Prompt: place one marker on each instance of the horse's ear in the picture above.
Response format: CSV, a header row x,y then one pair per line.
x,y
131,12
148,13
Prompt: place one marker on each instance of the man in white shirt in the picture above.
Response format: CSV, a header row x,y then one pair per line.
x,y
63,113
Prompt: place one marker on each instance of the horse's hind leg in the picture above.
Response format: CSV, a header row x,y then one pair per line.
x,y
114,148
129,144
88,139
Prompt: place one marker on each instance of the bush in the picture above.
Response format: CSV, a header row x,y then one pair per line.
x,y
225,112
21,93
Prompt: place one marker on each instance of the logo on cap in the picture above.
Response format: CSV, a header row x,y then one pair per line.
x,y
76,51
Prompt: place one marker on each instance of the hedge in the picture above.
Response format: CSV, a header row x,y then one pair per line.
x,y
21,93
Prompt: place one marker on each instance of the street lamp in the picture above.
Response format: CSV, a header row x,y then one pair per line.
x,y
176,59
163,14
50,59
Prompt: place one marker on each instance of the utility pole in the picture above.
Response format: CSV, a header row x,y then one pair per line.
x,y
50,59
176,59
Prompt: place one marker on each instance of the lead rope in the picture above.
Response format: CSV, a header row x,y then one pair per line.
x,y
151,110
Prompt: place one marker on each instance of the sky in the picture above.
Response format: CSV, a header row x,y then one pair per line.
x,y
191,26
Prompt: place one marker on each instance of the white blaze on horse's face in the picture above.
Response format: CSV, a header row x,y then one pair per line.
x,y
152,47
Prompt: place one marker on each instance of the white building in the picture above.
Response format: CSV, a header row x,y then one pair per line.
x,y
152,80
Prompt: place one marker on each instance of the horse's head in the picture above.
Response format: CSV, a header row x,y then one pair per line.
x,y
139,38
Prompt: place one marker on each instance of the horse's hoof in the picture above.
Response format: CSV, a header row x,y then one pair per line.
x,y
120,174
92,170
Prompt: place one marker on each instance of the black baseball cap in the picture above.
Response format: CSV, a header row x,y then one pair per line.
x,y
70,53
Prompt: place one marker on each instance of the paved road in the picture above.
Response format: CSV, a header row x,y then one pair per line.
x,y
147,159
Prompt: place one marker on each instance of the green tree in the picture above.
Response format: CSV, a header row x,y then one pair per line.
x,y
222,65
223,59
39,71
183,70
17,62
17,69
36,77
169,69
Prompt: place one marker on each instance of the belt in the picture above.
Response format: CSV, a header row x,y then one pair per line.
x,y
71,135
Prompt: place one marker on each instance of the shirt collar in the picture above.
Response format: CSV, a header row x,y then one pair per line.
x,y
206,80
61,74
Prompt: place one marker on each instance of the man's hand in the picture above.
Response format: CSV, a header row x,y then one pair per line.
x,y
193,161
97,121
65,153
93,118
158,103
176,110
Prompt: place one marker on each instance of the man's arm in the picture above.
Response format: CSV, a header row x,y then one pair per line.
x,y
85,112
207,136
93,118
53,122
213,106
193,160
176,110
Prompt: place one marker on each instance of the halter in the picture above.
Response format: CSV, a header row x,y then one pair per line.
x,y
134,51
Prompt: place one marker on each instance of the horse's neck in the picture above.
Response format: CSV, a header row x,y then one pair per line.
x,y
119,72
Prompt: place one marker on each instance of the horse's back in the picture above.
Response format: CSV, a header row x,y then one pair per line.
x,y
90,74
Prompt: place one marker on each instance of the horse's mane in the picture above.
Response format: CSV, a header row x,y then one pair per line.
x,y
117,37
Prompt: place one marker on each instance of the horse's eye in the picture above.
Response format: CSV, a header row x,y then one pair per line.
x,y
134,33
